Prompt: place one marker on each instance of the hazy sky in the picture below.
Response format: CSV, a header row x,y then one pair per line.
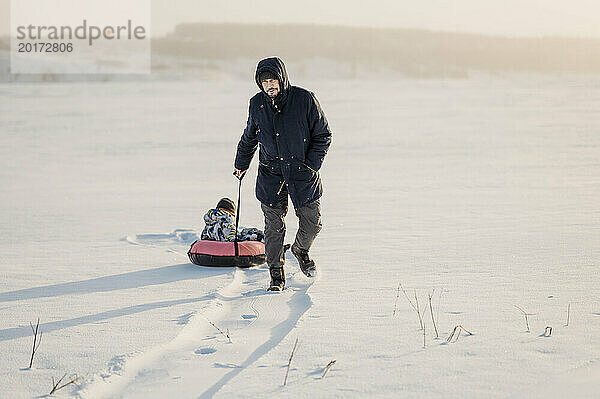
x,y
503,17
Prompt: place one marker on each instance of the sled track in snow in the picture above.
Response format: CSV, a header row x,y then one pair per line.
x,y
256,320
300,301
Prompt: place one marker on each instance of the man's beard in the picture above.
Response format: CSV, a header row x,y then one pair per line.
x,y
272,93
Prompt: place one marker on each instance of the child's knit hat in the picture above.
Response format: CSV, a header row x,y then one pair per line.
x,y
226,204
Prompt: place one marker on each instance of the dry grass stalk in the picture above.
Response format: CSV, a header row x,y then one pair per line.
x,y
396,302
568,315
432,317
456,333
221,331
419,312
290,362
424,343
331,363
56,386
36,341
415,307
526,318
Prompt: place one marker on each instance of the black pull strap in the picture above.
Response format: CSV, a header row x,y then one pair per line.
x,y
237,220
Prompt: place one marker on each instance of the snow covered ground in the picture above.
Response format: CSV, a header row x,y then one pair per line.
x,y
484,191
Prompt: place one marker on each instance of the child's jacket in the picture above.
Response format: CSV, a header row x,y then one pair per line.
x,y
220,225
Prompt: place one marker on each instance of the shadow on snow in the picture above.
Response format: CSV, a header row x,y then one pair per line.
x,y
19,332
142,278
137,279
299,302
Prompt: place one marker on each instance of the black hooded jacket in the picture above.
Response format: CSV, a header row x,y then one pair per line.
x,y
294,137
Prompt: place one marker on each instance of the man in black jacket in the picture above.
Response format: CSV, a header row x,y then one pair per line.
x,y
293,133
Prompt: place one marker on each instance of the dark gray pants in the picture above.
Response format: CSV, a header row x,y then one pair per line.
x,y
309,225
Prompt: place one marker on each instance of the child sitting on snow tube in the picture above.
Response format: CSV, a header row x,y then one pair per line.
x,y
220,225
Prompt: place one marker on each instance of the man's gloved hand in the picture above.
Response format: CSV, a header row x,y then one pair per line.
x,y
239,173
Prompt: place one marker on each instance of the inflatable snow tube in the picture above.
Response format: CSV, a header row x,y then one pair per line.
x,y
222,253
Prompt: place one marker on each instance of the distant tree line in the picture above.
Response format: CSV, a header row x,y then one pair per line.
x,y
409,51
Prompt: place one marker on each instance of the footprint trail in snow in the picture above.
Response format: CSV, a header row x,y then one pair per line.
x,y
201,358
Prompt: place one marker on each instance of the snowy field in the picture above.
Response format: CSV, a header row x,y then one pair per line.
x,y
485,192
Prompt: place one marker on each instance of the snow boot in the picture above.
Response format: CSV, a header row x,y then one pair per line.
x,y
307,265
277,279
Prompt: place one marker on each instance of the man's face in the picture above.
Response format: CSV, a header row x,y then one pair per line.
x,y
271,87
